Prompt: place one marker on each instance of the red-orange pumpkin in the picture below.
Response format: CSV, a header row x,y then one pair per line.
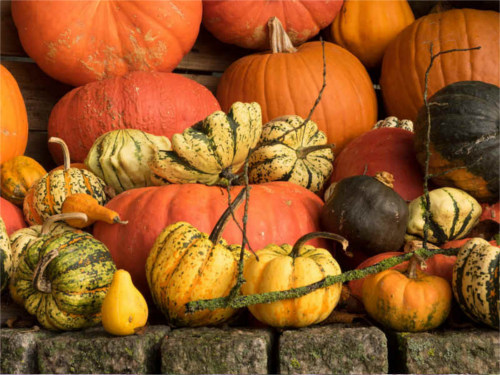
x,y
77,42
244,22
490,212
279,212
407,57
12,216
157,103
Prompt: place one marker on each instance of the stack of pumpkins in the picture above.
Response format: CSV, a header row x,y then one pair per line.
x,y
165,172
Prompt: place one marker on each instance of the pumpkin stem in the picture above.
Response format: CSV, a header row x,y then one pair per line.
x,y
415,261
386,178
278,39
67,159
302,240
224,219
52,219
304,151
40,281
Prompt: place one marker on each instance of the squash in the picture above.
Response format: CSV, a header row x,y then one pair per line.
x,y
120,157
287,81
5,257
13,117
157,103
407,57
453,213
394,122
46,196
464,138
17,175
12,216
365,28
409,302
207,151
124,309
285,267
92,41
88,205
476,281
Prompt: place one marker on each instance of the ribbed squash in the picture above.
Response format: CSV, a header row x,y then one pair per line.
x,y
394,122
453,213
476,281
5,256
120,157
45,198
204,152
292,151
17,175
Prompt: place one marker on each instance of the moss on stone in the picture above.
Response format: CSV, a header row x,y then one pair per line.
x,y
295,363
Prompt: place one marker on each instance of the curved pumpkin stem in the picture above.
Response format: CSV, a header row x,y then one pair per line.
x,y
303,152
59,141
278,38
415,261
52,219
40,281
224,219
302,240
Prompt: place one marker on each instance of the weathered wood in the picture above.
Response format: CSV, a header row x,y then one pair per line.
x,y
10,44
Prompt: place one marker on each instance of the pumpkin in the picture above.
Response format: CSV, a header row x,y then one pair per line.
x,y
63,280
285,267
490,212
464,138
5,256
287,81
385,149
92,41
46,196
124,309
410,301
88,205
365,28
120,157
279,212
210,149
368,212
453,213
244,22
407,57
476,281
291,150
12,216
394,122
13,117
17,175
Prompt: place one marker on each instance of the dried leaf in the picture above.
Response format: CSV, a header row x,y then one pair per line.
x,y
342,317
141,330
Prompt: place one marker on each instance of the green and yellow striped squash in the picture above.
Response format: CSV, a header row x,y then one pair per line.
x,y
205,152
120,157
5,256
453,213
290,150
63,280
46,196
476,281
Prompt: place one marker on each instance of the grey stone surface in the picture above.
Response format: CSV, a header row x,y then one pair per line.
x,y
333,349
94,351
18,350
217,351
467,351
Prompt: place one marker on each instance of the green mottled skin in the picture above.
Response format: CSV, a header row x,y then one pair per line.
x,y
5,256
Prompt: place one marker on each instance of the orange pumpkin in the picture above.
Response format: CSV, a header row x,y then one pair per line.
x,y
13,117
287,81
17,175
407,57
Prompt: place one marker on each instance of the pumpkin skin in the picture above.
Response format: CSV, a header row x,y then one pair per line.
x,y
407,57
12,216
277,81
92,41
5,256
13,117
243,23
17,175
476,281
365,28
465,135
279,212
156,103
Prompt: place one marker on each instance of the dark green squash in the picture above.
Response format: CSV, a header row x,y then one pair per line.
x,y
465,127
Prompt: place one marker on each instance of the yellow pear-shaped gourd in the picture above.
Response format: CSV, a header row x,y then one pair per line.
x,y
124,309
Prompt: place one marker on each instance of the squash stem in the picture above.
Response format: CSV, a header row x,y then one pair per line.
x,y
278,39
303,152
67,159
302,240
224,219
40,281
66,216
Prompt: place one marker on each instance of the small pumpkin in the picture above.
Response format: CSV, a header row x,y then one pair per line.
x,y
205,151
291,150
476,281
120,157
453,213
285,267
5,256
87,204
394,122
410,301
17,175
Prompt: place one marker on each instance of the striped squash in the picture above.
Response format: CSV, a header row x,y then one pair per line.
x,y
476,281
63,280
209,150
5,256
292,151
46,196
453,213
120,157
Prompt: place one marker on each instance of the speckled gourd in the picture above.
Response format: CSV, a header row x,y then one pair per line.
x,y
5,256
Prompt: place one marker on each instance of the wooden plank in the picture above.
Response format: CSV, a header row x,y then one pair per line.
x,y
10,44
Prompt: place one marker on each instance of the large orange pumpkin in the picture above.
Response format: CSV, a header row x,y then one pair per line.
x,y
13,117
77,42
407,57
286,83
244,22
